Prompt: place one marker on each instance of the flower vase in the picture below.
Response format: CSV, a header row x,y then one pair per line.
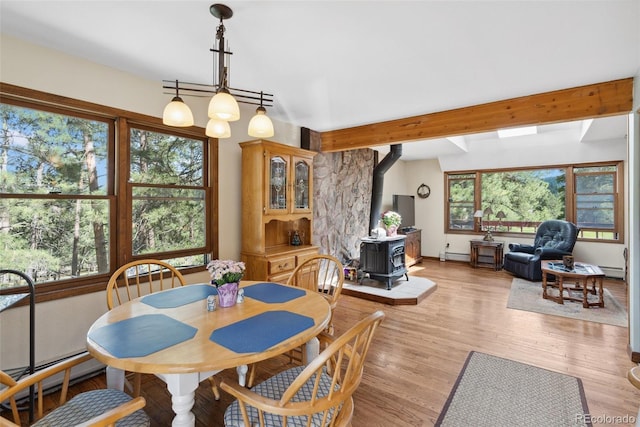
x,y
392,230
227,294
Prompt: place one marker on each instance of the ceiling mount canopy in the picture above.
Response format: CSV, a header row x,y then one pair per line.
x,y
223,107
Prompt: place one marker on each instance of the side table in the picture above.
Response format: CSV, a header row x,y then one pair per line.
x,y
486,253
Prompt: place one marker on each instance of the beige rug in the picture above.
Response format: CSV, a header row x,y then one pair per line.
x,y
527,296
496,392
402,292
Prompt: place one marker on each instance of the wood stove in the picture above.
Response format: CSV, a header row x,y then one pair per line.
x,y
383,259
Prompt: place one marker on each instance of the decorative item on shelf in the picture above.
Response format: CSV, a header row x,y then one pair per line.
x,y
226,275
295,239
391,221
223,107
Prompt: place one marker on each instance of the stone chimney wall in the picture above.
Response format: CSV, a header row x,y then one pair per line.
x,y
342,200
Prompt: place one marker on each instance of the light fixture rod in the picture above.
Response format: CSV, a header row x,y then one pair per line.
x,y
201,90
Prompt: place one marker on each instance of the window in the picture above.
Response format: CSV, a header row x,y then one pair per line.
x,y
168,196
461,190
517,201
596,198
56,190
70,214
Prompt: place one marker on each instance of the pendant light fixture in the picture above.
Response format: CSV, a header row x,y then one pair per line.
x,y
217,128
177,113
223,107
260,125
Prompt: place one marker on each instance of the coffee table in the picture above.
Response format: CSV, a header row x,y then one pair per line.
x,y
581,275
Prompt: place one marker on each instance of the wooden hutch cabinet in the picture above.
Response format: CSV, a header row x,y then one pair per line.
x,y
277,209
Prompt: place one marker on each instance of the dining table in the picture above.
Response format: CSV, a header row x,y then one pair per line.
x,y
173,335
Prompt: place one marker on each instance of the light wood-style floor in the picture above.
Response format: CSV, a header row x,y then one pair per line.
x,y
419,350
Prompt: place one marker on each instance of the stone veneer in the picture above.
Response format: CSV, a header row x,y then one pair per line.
x,y
342,201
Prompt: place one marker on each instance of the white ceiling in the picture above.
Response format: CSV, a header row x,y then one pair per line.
x,y
337,64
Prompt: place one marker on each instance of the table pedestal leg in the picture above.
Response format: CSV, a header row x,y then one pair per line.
x,y
182,388
312,349
242,375
115,378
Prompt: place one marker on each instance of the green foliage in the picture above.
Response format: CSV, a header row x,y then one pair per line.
x,y
55,158
526,196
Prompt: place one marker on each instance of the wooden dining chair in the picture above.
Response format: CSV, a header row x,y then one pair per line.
x,y
320,273
324,274
319,393
142,277
91,408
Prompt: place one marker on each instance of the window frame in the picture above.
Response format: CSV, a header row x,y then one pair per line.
x,y
120,250
570,199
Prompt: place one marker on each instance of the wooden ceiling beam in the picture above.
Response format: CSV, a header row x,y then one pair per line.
x,y
591,101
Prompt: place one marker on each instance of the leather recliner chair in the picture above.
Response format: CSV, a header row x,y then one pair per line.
x,y
554,239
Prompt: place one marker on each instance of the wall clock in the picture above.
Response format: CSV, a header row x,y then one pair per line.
x,y
423,191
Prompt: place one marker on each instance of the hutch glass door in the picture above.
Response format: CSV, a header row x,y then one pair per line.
x,y
278,171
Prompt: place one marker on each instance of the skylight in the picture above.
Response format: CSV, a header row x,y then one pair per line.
x,y
508,133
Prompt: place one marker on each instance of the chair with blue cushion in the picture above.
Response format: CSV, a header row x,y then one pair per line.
x,y
318,394
102,407
554,239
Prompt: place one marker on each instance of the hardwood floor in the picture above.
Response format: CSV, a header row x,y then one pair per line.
x,y
419,350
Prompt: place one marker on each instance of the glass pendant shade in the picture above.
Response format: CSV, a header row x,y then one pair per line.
x,y
260,125
223,106
177,113
218,129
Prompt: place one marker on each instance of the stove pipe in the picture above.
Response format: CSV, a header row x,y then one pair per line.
x,y
378,183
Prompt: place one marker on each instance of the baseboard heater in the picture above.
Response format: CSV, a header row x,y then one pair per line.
x,y
454,256
613,272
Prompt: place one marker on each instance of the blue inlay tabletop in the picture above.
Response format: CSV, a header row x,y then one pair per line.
x,y
261,332
142,335
177,297
272,292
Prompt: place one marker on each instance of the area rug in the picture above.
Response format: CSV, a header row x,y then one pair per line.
x,y
527,296
402,292
492,391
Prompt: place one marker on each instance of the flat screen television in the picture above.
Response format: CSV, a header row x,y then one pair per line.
x,y
405,206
